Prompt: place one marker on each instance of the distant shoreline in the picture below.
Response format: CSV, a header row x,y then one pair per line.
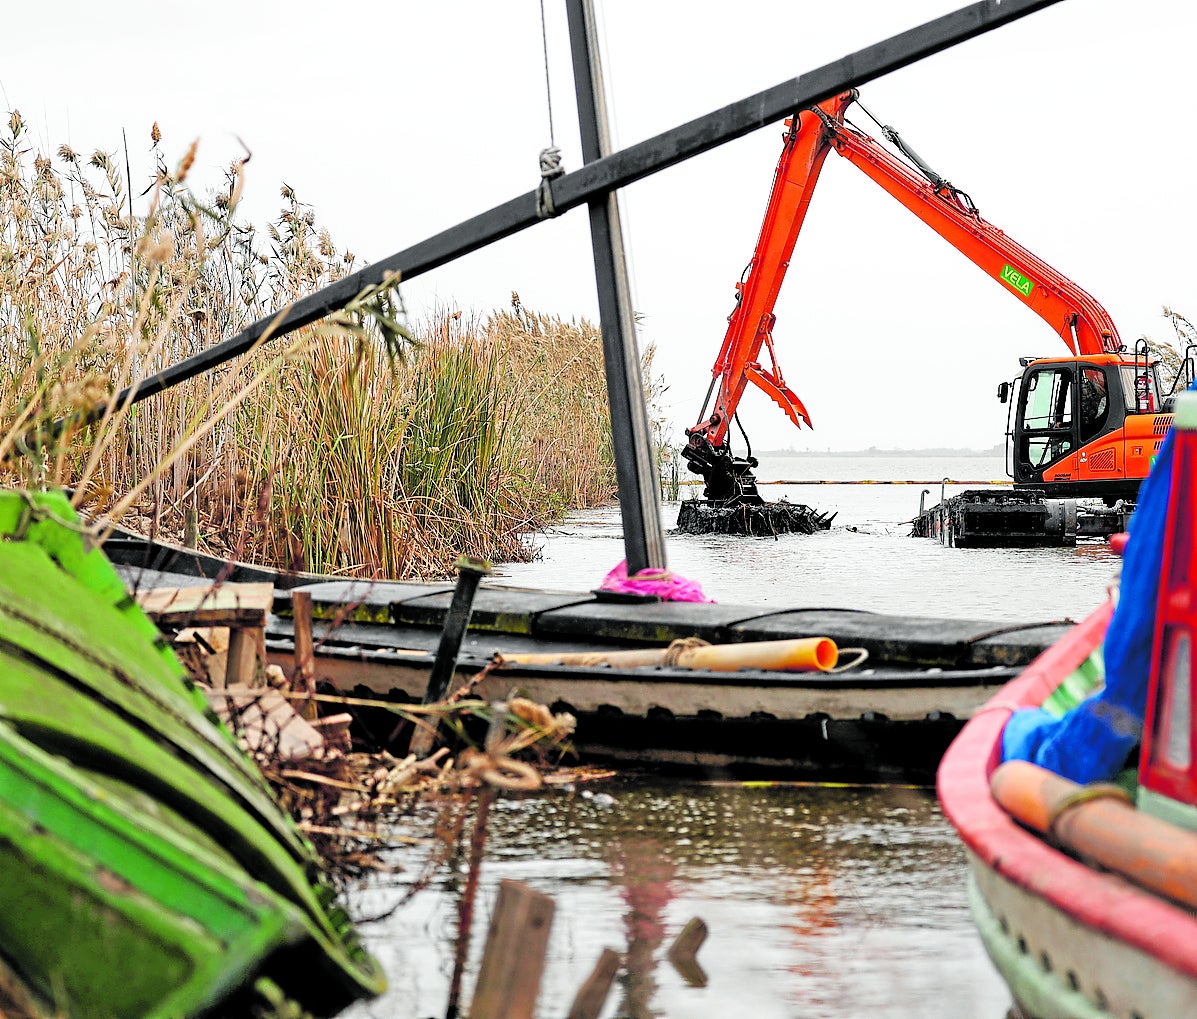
x,y
994,451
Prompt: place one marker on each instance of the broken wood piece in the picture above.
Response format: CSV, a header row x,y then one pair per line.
x,y
265,723
241,666
242,608
685,947
203,605
335,730
592,995
513,960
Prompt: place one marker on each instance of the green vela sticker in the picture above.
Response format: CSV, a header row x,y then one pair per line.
x,y
1017,281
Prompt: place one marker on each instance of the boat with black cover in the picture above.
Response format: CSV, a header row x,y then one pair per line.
x,y
888,718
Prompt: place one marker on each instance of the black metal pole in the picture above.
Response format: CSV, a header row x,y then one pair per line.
x,y
457,620
635,465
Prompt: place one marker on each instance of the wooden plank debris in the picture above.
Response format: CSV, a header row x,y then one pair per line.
x,y
513,960
219,605
265,722
592,995
335,730
241,666
235,615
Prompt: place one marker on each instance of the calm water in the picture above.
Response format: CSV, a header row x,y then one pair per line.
x,y
821,902
866,560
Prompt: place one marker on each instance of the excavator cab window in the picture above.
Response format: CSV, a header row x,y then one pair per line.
x,y
1046,412
1142,389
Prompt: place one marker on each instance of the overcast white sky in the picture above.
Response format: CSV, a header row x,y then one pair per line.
x,y
1072,130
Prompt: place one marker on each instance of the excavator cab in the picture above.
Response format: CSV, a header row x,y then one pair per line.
x,y
1085,426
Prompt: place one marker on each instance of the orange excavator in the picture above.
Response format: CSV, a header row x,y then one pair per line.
x,y
1085,426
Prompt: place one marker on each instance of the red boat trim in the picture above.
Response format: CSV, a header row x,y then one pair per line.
x,y
1103,902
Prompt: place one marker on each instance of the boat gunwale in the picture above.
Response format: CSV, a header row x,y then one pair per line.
x,y
903,644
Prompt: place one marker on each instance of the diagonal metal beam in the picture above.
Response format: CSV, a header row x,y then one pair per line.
x,y
595,180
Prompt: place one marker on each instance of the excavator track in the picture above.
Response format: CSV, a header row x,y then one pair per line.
x,y
1006,518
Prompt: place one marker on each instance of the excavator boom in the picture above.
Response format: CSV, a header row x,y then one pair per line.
x,y
1077,317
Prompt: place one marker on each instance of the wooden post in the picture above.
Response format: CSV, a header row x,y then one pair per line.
x,y
592,995
513,961
303,679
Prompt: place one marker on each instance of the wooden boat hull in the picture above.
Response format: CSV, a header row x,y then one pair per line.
x,y
1069,940
145,869
888,721
1058,967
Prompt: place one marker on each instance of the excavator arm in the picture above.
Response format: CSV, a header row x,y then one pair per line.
x,y
750,325
1080,321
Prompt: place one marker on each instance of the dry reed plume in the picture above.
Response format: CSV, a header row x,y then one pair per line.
x,y
322,451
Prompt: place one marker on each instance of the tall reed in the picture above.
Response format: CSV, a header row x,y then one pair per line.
x,y
323,451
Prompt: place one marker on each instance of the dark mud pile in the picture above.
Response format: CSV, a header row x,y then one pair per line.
x,y
701,516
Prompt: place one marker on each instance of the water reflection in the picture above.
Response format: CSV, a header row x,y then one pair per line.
x,y
643,872
820,902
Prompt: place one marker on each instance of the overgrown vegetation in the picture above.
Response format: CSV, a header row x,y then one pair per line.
x,y
357,446
1172,355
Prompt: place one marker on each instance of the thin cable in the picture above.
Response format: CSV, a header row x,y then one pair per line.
x,y
736,418
550,158
548,88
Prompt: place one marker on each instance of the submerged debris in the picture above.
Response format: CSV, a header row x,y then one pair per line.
x,y
702,516
349,803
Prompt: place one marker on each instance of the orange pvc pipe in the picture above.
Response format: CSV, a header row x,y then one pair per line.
x,y
803,654
1109,831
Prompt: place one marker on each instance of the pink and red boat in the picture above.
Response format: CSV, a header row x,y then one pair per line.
x,y
1085,896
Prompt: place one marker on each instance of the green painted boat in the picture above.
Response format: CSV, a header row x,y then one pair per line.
x,y
145,868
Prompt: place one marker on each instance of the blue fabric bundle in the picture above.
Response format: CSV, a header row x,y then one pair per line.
x,y
1091,742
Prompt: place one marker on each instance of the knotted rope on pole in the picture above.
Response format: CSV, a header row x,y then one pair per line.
x,y
550,167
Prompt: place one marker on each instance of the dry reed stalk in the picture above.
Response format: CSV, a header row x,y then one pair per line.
x,y
476,436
